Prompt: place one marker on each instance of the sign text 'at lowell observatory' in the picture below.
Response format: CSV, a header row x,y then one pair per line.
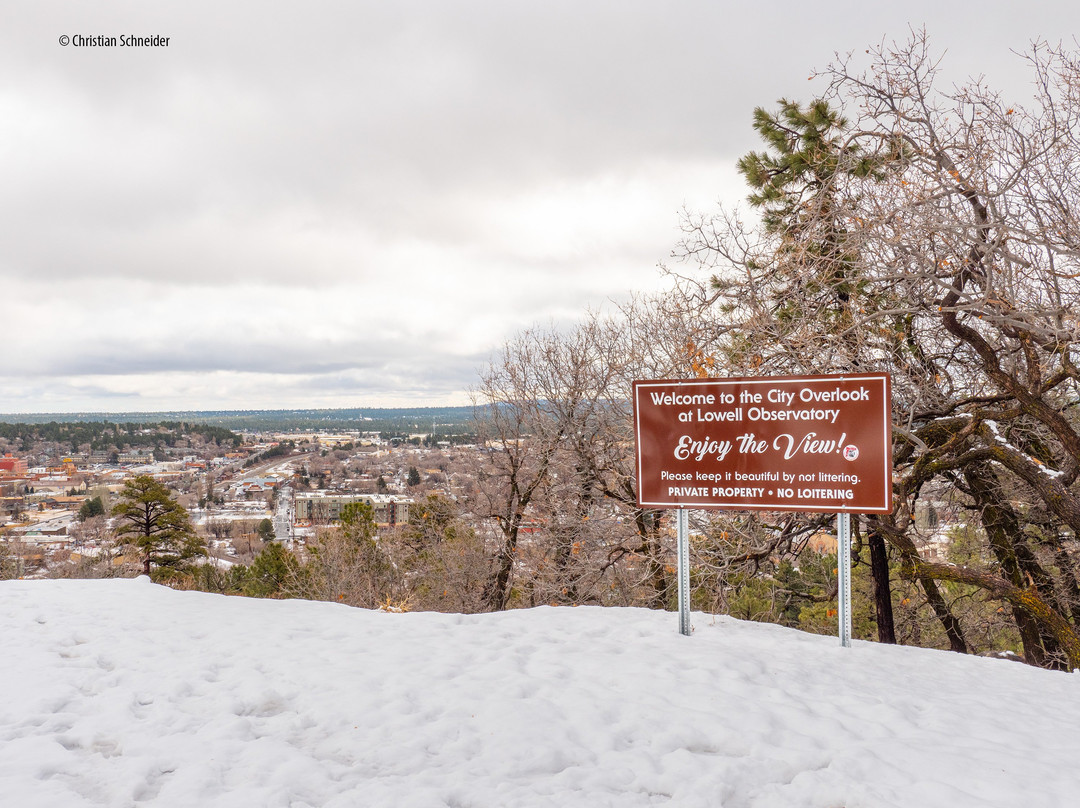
x,y
808,443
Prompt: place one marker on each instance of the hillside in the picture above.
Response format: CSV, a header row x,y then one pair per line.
x,y
121,692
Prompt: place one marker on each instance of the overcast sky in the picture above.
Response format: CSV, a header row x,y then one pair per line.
x,y
349,204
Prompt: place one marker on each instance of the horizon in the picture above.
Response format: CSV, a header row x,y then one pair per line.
x,y
237,411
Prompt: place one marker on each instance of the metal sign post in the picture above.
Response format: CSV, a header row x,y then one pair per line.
x,y
843,576
683,539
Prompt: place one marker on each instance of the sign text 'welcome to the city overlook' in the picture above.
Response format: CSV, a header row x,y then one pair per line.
x,y
808,443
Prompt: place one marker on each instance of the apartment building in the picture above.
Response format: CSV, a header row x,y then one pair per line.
x,y
319,507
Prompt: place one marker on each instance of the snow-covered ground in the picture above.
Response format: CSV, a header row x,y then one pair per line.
x,y
122,693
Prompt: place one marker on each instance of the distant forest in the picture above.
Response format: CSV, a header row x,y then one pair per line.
x,y
391,421
105,436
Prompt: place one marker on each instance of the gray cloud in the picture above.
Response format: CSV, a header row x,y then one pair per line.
x,y
362,199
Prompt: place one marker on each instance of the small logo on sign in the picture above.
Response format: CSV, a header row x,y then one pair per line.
x,y
851,451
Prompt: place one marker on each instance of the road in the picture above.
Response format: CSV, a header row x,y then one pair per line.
x,y
283,516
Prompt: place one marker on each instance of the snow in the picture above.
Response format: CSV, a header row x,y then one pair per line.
x,y
123,693
1049,472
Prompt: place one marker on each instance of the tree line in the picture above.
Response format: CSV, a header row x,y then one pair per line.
x,y
104,435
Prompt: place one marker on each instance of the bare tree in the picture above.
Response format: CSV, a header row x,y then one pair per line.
x,y
519,434
442,559
558,478
219,528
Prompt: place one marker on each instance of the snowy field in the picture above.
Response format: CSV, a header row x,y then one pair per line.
x,y
123,693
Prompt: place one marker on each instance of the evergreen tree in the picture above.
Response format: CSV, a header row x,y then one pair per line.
x,y
156,524
347,564
90,508
269,575
265,530
798,185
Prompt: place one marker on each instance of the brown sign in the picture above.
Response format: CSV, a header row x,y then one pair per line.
x,y
807,443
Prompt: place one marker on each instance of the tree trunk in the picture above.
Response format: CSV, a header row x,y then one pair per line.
x,y
656,575
879,567
913,568
1018,564
497,592
948,620
1027,599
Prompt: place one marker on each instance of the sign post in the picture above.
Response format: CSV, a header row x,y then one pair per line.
x,y
843,577
683,548
792,443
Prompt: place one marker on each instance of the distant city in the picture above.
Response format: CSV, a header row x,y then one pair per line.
x,y
243,478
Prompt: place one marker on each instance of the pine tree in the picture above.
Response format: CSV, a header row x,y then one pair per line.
x,y
265,530
156,524
91,508
796,184
270,574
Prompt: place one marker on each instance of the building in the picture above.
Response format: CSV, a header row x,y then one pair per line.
x,y
13,465
319,507
135,457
